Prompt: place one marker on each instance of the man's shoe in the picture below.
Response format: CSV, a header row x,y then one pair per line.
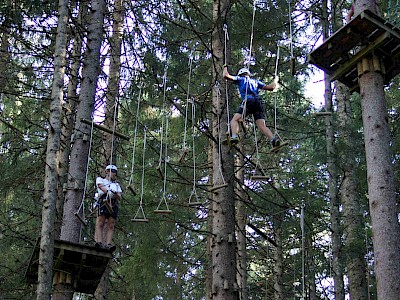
x,y
275,142
111,247
98,245
234,140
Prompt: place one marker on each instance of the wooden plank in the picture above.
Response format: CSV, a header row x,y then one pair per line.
x,y
352,63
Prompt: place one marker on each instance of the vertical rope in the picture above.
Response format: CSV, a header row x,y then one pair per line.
x,y
302,252
187,99
134,137
290,30
226,82
162,113
252,34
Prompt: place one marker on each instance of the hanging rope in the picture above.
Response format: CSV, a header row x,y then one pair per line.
x,y
140,215
162,122
292,59
226,81
215,187
249,59
163,198
185,149
134,143
113,133
82,218
302,251
193,199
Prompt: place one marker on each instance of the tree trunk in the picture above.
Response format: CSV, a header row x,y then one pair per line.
x,y
68,116
380,177
353,219
337,269
223,244
241,217
209,270
111,109
45,275
70,230
279,290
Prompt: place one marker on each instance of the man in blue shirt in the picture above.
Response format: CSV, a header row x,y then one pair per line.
x,y
251,103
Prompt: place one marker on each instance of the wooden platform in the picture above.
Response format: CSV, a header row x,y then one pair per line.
x,y
365,35
85,263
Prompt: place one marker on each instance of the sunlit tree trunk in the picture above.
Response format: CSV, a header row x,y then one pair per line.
x,y
337,270
50,193
112,95
380,177
223,244
70,230
68,114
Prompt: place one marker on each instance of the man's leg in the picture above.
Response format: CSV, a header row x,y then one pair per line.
x,y
264,129
110,230
235,124
98,233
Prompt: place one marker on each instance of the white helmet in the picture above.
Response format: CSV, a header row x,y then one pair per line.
x,y
244,71
112,167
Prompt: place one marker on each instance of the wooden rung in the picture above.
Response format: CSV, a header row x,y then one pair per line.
x,y
217,187
162,211
183,156
277,148
108,130
159,172
323,113
260,178
84,223
195,203
130,187
140,220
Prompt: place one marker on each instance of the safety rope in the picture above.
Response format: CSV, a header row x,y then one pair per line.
x,y
218,92
226,81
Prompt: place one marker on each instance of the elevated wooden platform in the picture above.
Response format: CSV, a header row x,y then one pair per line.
x,y
366,35
85,263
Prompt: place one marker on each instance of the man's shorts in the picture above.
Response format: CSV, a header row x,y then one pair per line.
x,y
253,107
103,210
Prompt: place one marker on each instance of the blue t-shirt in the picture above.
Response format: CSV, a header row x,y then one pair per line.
x,y
253,85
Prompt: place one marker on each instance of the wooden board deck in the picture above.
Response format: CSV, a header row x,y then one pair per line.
x,y
85,263
364,35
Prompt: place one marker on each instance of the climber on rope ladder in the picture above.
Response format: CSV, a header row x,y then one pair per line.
x,y
251,104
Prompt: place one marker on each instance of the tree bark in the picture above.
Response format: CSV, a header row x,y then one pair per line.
x,y
223,244
336,233
380,178
70,230
279,290
45,275
354,248
68,115
111,109
241,217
